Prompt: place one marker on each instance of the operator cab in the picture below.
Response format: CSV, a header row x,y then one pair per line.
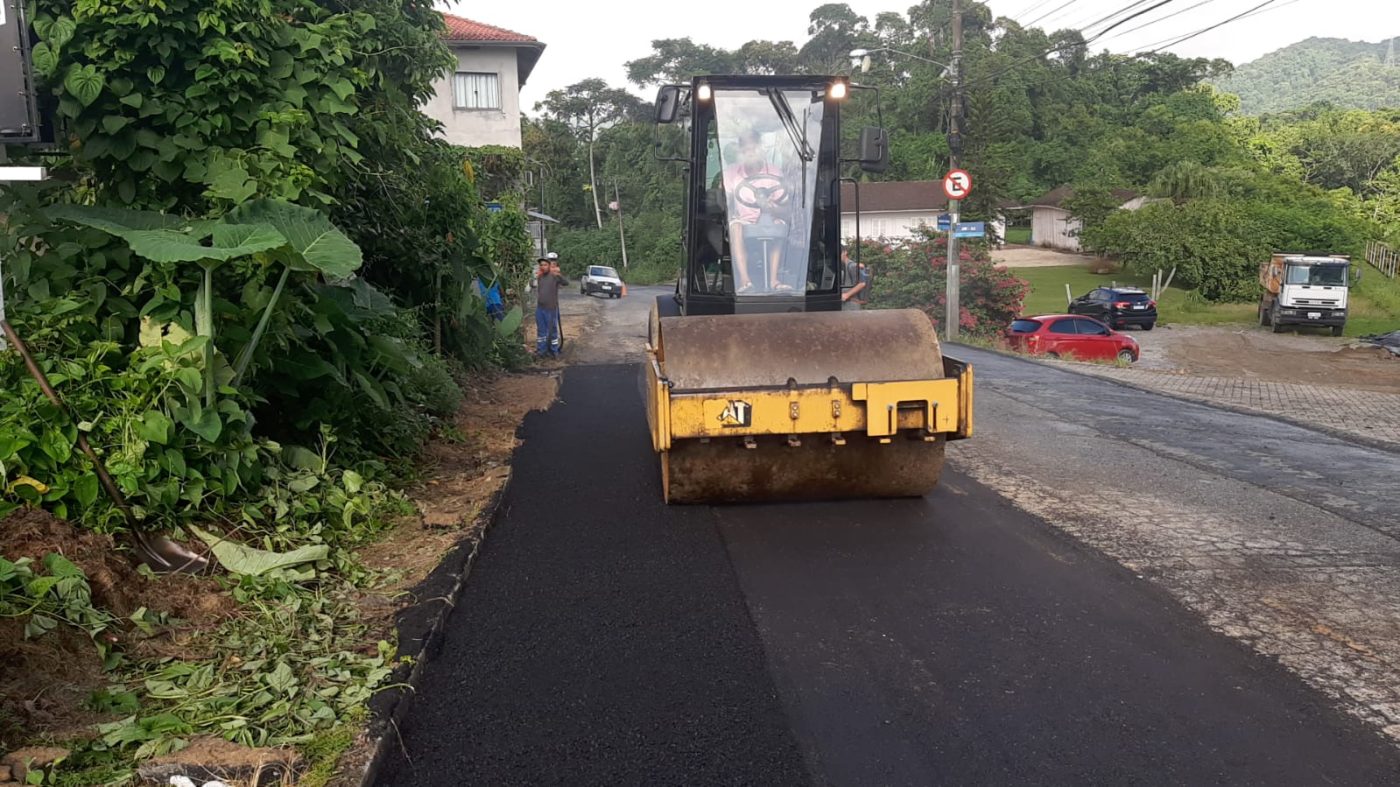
x,y
762,230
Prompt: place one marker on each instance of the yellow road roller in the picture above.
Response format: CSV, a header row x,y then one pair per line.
x,y
761,382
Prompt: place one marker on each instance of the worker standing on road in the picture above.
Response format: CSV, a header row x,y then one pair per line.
x,y
548,329
857,279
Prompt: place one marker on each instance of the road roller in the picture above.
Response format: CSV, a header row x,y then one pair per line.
x,y
761,382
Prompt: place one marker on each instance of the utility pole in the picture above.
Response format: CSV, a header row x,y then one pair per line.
x,y
950,328
621,233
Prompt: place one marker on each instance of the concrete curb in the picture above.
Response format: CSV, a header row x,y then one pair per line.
x,y
1339,434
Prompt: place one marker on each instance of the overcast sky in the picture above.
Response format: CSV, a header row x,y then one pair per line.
x,y
595,39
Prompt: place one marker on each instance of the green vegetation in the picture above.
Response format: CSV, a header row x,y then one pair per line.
x,y
252,281
1343,73
1021,235
1375,304
913,274
1043,111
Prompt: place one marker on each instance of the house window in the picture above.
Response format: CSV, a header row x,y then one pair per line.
x,y
476,91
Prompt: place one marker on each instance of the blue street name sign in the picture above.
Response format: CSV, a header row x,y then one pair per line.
x,y
971,229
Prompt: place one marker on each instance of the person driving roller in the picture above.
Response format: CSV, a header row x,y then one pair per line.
x,y
758,196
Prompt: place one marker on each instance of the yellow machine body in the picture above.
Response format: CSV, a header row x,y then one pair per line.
x,y
802,406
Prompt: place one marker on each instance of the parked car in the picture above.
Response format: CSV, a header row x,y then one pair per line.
x,y
601,278
1118,307
1069,335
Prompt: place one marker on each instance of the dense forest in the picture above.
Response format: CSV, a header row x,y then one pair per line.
x,y
1350,74
1041,110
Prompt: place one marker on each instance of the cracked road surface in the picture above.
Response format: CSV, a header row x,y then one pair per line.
x,y
1109,586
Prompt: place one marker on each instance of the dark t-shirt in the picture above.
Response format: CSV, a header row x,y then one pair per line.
x,y
548,297
854,276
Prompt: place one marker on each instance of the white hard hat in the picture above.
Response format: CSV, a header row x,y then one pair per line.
x,y
552,256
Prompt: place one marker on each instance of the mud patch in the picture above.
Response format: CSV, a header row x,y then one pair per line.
x,y
1260,355
47,681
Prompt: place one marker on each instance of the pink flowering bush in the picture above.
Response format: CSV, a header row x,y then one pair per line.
x,y
912,273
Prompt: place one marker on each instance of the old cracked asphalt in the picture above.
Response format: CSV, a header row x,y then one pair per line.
x,y
980,635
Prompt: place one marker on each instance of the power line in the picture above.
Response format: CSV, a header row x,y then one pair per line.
x,y
1083,26
1034,6
1055,10
1086,42
1163,18
1182,39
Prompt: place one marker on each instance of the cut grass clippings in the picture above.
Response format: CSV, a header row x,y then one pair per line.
x,y
1375,302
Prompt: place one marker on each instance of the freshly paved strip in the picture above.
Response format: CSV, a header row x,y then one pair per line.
x,y
604,638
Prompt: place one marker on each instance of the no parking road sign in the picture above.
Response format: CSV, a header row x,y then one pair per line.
x,y
957,184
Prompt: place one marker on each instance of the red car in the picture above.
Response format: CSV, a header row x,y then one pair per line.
x,y
1070,336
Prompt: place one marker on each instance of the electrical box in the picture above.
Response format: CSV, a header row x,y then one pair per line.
x,y
19,113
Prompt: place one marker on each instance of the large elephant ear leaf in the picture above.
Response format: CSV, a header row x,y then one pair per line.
x,y
118,220
314,242
228,243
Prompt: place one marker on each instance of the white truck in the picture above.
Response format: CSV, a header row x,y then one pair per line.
x,y
1305,289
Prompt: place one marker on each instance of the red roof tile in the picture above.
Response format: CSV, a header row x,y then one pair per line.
x,y
461,29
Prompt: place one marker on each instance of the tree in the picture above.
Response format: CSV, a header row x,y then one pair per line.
x,y
587,107
835,30
677,60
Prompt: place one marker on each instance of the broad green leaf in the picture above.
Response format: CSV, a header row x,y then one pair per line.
x,y
276,140
85,489
207,425
373,389
241,559
511,323
231,183
117,220
190,379
342,88
114,123
44,59
84,83
353,481
315,242
304,484
155,427
171,246
61,567
282,678
155,74
60,32
302,458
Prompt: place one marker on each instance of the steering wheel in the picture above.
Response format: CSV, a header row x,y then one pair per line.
x,y
764,197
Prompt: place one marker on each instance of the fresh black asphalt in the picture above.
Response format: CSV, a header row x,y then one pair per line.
x,y
604,638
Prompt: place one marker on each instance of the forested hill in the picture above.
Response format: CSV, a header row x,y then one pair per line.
x,y
1348,74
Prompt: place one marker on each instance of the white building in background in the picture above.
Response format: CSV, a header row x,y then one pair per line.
x,y
895,209
479,104
1053,227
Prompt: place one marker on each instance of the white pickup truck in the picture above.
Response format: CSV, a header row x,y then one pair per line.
x,y
602,279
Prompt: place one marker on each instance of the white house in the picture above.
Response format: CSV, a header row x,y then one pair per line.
x,y
895,209
479,104
1052,225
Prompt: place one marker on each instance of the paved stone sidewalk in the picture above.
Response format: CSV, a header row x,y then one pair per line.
x,y
1370,415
